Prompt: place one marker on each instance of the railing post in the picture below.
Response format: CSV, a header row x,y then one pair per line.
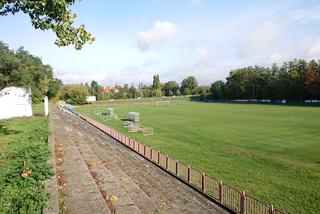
x,y
138,147
243,203
151,154
177,168
144,150
158,158
167,162
130,142
203,182
189,175
221,192
134,145
271,210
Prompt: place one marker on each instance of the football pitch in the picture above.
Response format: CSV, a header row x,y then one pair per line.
x,y
270,151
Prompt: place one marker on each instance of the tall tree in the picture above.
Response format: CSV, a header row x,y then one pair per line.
x,y
170,86
51,14
217,89
189,85
94,88
156,82
312,79
54,88
132,92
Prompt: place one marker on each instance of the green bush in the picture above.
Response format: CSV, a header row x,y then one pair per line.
x,y
75,93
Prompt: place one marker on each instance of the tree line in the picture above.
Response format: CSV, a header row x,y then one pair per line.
x,y
20,68
294,80
189,86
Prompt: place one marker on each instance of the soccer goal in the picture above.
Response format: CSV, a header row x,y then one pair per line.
x,y
162,103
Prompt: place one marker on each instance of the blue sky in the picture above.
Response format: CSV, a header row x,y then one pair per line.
x,y
174,38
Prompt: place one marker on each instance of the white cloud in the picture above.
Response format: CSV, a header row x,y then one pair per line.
x,y
71,77
195,1
307,49
129,75
207,56
259,40
161,33
280,57
305,15
151,62
313,44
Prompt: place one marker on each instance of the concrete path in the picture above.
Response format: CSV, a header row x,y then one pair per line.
x,y
96,174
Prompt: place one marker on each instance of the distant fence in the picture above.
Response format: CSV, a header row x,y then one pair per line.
x,y
224,194
209,99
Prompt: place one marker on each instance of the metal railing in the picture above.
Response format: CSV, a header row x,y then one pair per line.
x,y
219,192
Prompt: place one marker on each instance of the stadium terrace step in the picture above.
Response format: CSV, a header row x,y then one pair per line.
x,y
98,172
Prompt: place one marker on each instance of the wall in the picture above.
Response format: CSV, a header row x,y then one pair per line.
x,y
15,102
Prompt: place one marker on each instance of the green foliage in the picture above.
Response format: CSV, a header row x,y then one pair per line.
x,y
189,85
20,68
156,82
132,93
54,88
94,88
295,80
269,151
51,14
202,90
170,88
25,148
178,93
75,93
217,89
156,92
312,78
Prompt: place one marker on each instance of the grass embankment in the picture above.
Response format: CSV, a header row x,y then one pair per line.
x,y
23,165
272,152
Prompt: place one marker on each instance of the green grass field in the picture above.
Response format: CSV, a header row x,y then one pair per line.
x,y
270,151
23,146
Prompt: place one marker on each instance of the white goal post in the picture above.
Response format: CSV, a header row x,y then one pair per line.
x,y
162,103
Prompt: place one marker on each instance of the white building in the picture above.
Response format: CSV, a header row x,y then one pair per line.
x,y
15,102
90,99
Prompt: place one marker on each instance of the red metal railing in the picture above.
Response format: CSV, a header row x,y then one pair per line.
x,y
226,195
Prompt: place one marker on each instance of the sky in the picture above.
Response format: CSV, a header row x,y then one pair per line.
x,y
136,39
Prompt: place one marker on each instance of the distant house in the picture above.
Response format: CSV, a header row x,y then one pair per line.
x,y
110,89
15,102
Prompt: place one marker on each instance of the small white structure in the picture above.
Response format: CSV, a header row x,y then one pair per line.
x,y
15,102
110,111
90,99
46,106
134,116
